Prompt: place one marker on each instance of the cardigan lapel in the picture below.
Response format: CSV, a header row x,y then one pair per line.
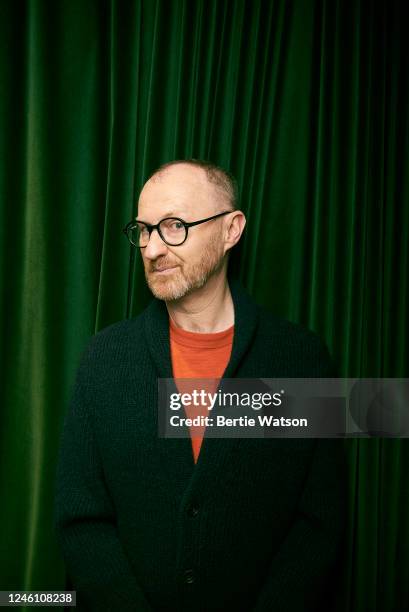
x,y
176,453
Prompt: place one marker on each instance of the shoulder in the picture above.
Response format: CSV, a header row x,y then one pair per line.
x,y
112,343
279,327
300,348
117,334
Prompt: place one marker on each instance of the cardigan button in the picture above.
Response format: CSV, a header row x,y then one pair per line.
x,y
190,576
193,511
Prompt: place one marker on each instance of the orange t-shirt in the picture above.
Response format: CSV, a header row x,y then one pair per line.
x,y
199,356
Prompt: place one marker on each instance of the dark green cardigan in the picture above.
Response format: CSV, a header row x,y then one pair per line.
x,y
255,525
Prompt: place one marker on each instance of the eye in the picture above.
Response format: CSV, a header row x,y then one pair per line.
x,y
173,225
142,229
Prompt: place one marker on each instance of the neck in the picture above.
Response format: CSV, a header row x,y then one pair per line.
x,y
206,310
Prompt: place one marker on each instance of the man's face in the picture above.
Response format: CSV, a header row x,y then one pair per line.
x,y
182,191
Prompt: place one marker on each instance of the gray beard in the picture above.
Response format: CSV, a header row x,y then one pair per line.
x,y
197,276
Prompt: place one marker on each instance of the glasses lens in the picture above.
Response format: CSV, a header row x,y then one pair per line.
x,y
138,235
173,231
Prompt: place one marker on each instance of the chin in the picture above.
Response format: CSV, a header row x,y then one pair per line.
x,y
167,291
180,285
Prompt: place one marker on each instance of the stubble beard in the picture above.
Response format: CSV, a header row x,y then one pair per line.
x,y
192,277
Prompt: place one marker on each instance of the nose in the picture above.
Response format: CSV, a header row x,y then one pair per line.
x,y
155,247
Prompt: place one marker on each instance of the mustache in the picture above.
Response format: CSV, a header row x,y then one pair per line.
x,y
160,265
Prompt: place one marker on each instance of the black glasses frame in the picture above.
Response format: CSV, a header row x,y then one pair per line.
x,y
150,227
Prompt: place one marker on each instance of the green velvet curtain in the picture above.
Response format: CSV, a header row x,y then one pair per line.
x,y
307,102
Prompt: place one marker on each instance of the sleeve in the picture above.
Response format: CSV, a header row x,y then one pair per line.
x,y
84,519
304,570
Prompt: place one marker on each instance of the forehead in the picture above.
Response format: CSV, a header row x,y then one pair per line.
x,y
178,190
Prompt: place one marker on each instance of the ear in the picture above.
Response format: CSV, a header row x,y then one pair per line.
x,y
234,229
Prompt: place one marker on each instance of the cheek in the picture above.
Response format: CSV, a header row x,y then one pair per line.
x,y
180,256
195,256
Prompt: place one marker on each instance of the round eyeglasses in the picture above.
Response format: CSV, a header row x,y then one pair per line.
x,y
172,230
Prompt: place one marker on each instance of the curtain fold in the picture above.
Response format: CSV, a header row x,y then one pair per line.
x,y
307,103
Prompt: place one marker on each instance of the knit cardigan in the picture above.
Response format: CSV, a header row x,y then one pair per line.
x,y
255,525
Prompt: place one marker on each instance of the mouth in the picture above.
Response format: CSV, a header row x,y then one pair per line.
x,y
167,270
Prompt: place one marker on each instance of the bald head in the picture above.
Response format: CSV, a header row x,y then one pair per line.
x,y
224,183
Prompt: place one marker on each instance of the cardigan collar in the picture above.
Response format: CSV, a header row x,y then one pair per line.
x,y
175,454
157,331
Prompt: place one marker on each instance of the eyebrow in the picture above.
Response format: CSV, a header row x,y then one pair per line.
x,y
168,214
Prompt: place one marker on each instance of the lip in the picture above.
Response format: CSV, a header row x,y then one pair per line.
x,y
165,270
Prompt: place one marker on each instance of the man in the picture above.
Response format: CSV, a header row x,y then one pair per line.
x,y
149,523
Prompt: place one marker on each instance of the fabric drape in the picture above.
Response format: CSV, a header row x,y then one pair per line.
x,y
307,103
